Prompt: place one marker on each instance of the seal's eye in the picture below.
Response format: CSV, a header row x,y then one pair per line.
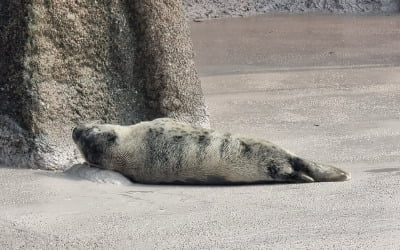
x,y
110,137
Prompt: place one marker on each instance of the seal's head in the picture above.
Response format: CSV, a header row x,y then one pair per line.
x,y
95,142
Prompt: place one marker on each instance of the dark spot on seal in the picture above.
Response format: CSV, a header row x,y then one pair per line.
x,y
151,141
246,148
157,131
273,171
265,154
110,137
163,150
177,138
299,164
203,139
203,142
224,146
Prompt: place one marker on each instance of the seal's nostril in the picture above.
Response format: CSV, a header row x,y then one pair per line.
x,y
76,133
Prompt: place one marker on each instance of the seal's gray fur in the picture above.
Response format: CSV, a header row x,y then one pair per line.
x,y
168,151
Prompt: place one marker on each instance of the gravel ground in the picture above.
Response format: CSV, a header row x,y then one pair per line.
x,y
203,9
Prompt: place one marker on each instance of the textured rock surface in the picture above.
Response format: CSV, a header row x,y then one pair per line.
x,y
166,68
198,9
65,62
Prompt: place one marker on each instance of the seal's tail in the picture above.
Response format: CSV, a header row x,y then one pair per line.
x,y
309,171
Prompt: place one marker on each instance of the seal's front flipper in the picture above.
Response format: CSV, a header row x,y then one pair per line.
x,y
302,177
308,171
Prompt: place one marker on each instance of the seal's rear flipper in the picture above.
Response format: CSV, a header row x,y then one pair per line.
x,y
309,171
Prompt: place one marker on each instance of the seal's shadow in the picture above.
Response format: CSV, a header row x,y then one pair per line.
x,y
84,171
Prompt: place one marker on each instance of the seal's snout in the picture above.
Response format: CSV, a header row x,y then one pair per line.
x,y
77,132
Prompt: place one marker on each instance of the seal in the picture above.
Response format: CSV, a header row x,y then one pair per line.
x,y
166,151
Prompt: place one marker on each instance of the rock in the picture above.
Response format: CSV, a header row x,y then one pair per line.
x,y
66,62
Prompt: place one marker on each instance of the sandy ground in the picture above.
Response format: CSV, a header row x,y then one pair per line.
x,y
324,87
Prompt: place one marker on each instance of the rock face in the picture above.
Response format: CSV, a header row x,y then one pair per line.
x,y
198,9
66,62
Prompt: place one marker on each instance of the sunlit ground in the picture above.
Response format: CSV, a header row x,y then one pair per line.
x,y
325,87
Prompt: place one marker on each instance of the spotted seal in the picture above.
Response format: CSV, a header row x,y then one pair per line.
x,y
168,151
